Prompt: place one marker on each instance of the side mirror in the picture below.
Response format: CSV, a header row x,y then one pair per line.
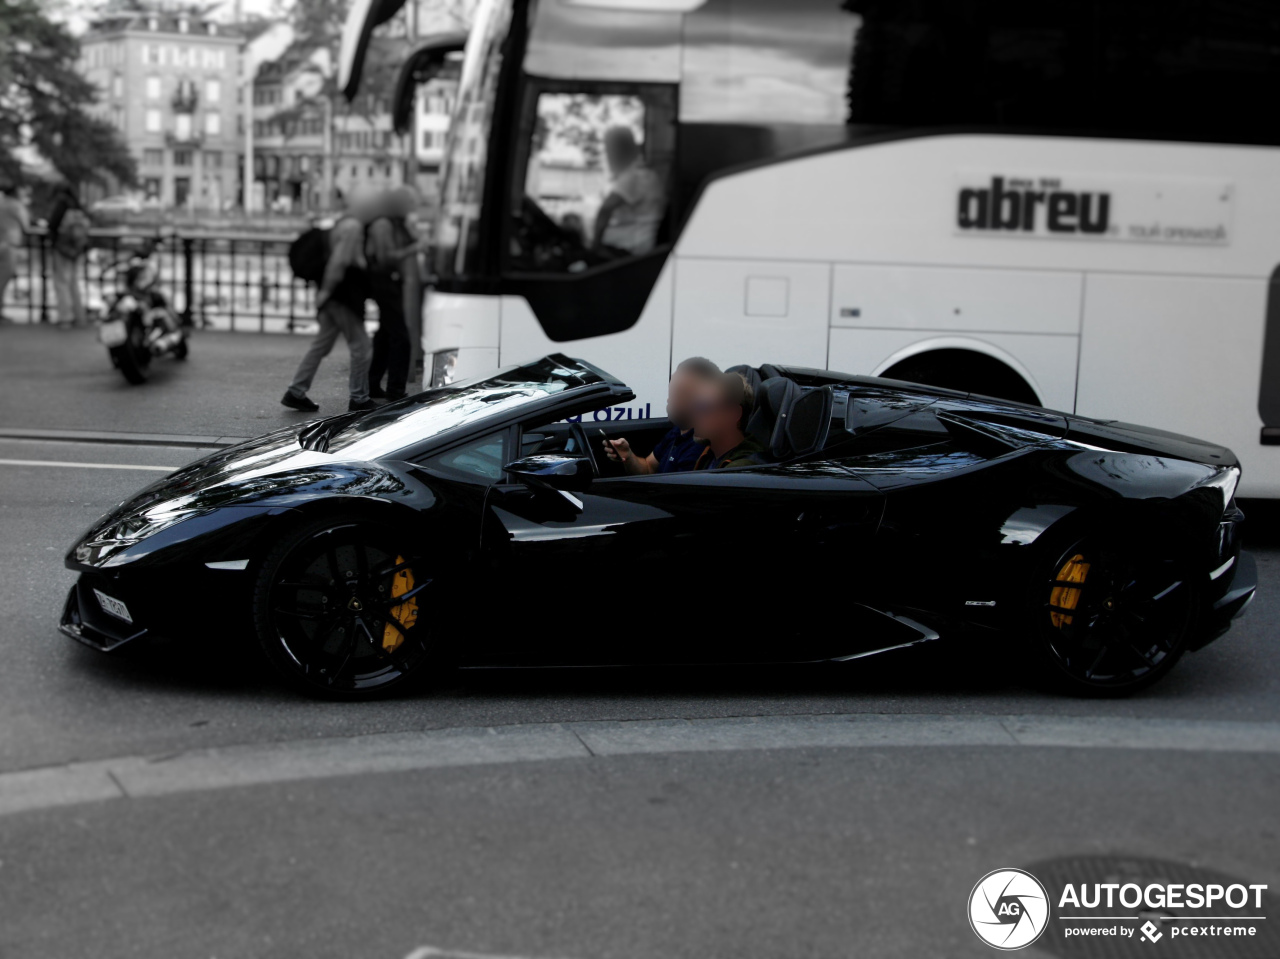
x,y
557,471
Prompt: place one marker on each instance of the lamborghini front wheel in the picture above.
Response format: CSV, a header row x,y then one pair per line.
x,y
1110,616
337,607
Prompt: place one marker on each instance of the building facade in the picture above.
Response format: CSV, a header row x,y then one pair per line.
x,y
434,109
311,149
170,85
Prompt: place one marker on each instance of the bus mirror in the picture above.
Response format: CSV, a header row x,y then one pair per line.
x,y
426,61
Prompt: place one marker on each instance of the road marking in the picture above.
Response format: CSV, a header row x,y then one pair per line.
x,y
258,764
88,466
431,952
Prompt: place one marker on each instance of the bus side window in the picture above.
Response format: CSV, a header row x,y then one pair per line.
x,y
594,186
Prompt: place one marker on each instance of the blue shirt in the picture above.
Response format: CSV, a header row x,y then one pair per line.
x,y
677,451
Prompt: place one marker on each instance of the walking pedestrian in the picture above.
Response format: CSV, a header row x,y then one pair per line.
x,y
392,252
14,225
340,303
68,241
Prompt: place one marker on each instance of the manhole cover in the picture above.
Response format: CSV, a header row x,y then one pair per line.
x,y
1098,930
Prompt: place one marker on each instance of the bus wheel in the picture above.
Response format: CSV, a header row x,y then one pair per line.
x,y
967,371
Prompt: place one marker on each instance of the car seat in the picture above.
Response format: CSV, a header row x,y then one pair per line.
x,y
750,375
773,399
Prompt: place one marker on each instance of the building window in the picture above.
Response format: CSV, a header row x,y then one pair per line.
x,y
151,187
213,159
213,124
182,158
153,88
213,91
182,126
153,121
117,85
152,157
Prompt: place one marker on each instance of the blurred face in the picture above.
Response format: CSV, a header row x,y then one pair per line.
x,y
714,415
619,151
402,202
682,392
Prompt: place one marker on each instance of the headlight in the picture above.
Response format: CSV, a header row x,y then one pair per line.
x,y
443,365
102,548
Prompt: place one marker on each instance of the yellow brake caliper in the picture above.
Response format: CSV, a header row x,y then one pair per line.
x,y
405,613
1067,597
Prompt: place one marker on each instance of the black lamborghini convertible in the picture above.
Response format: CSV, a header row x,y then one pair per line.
x,y
480,524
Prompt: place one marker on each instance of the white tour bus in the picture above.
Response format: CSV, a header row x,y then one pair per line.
x,y
1076,205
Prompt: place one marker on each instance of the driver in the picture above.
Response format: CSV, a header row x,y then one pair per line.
x,y
678,450
628,218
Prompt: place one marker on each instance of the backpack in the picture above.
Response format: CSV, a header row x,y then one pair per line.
x,y
308,254
73,233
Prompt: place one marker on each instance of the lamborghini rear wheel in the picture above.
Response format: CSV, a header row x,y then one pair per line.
x,y
336,606
1112,617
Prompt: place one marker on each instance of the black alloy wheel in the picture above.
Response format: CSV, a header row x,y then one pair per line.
x,y
338,606
1114,617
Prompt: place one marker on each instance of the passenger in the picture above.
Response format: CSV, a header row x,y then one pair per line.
x,y
628,219
678,450
720,417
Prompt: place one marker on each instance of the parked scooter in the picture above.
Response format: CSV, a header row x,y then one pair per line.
x,y
139,323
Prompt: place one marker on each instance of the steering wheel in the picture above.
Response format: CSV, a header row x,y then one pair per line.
x,y
580,435
543,244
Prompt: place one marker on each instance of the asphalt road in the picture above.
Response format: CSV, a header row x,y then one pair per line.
x,y
172,804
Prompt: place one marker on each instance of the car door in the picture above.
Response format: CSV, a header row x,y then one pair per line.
x,y
713,566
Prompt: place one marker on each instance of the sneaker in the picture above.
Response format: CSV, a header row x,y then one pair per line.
x,y
299,403
354,407
395,396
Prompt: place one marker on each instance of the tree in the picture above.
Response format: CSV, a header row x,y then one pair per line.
x,y
45,103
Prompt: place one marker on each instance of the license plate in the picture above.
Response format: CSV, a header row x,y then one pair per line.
x,y
113,333
113,606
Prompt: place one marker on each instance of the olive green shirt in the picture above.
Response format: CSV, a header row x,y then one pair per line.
x,y
746,453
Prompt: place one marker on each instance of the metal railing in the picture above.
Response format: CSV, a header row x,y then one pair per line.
x,y
212,280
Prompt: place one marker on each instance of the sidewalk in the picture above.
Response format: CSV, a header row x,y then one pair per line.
x,y
52,379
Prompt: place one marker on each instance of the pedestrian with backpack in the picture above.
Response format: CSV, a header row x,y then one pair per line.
x,y
14,226
391,251
343,287
68,239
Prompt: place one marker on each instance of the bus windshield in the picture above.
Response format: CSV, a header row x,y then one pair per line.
x,y
466,154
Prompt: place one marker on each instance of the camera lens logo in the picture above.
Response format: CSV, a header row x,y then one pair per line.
x,y
1008,909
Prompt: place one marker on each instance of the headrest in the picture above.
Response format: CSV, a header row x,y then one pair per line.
x,y
772,400
751,376
804,423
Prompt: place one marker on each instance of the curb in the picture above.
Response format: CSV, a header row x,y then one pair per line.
x,y
131,778
123,439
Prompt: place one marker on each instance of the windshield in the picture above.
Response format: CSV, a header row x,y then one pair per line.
x,y
413,419
466,154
